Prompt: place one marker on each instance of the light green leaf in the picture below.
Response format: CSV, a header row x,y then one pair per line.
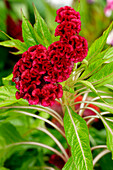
x,y
103,76
70,165
41,28
7,95
98,44
89,85
15,43
109,55
77,136
94,66
7,79
7,43
30,37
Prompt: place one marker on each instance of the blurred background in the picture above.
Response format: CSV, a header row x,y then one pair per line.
x,y
96,15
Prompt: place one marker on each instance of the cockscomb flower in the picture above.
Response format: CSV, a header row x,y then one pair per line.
x,y
79,45
69,20
67,13
61,65
68,28
29,76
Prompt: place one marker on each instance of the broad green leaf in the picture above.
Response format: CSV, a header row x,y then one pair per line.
x,y
98,44
41,28
109,55
7,95
7,79
30,36
70,165
15,43
94,66
10,133
78,138
103,76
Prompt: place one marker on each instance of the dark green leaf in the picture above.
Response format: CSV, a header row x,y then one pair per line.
x,y
77,136
10,133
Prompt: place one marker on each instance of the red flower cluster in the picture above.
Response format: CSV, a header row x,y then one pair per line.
x,y
68,29
58,54
58,161
39,71
29,75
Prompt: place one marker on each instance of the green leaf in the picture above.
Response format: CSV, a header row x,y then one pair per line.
x,y
10,133
7,43
109,132
70,165
98,44
30,37
7,79
109,55
41,28
103,76
3,168
77,136
15,43
94,66
89,85
7,95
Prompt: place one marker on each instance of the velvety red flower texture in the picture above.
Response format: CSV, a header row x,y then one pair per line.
x,y
29,75
39,71
69,20
68,29
61,65
67,14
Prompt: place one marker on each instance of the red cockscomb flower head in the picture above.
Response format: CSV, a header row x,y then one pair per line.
x,y
67,13
68,28
61,65
80,48
28,75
